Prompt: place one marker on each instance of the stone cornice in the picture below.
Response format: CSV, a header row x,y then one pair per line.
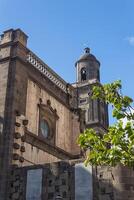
x,y
40,143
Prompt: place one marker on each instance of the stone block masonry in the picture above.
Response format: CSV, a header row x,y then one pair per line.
x,y
113,183
71,180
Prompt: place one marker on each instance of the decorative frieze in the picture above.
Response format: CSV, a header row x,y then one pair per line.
x,y
46,71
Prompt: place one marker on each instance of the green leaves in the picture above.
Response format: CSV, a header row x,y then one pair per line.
x,y
117,145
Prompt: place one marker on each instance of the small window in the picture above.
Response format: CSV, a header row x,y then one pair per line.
x,y
83,74
44,128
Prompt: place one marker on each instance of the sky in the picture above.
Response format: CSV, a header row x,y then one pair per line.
x,y
59,30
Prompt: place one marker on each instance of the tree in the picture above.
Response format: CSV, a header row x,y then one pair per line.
x,y
117,145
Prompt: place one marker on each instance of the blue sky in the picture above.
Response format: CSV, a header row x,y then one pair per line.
x,y
58,31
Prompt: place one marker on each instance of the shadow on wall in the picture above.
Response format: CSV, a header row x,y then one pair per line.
x,y
1,129
1,124
113,183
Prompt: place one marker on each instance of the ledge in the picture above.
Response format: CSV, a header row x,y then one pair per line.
x,y
46,147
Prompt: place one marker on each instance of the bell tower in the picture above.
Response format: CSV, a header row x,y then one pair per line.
x,y
87,67
88,75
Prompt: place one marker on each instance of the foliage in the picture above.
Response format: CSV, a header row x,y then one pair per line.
x,y
117,145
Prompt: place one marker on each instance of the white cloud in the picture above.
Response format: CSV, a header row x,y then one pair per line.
x,y
130,40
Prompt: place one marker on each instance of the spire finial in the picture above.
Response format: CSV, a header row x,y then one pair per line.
x,y
87,50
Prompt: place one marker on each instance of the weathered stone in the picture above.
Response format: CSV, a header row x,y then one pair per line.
x,y
16,146
16,156
22,149
17,135
17,124
21,159
25,122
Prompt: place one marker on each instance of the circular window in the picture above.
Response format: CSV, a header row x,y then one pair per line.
x,y
44,127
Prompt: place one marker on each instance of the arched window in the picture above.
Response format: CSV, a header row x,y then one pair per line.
x,y
83,74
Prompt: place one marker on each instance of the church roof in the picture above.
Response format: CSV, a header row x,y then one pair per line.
x,y
87,56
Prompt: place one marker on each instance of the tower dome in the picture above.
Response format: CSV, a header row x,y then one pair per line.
x,y
87,67
87,56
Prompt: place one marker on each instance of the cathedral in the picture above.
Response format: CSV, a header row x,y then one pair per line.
x,y
41,117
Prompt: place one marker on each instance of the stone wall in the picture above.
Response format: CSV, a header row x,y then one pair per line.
x,y
67,126
29,149
7,68
42,182
24,153
70,180
3,88
113,183
26,86
34,155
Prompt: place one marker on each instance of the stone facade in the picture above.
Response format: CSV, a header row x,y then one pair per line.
x,y
41,117
48,181
37,120
113,183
